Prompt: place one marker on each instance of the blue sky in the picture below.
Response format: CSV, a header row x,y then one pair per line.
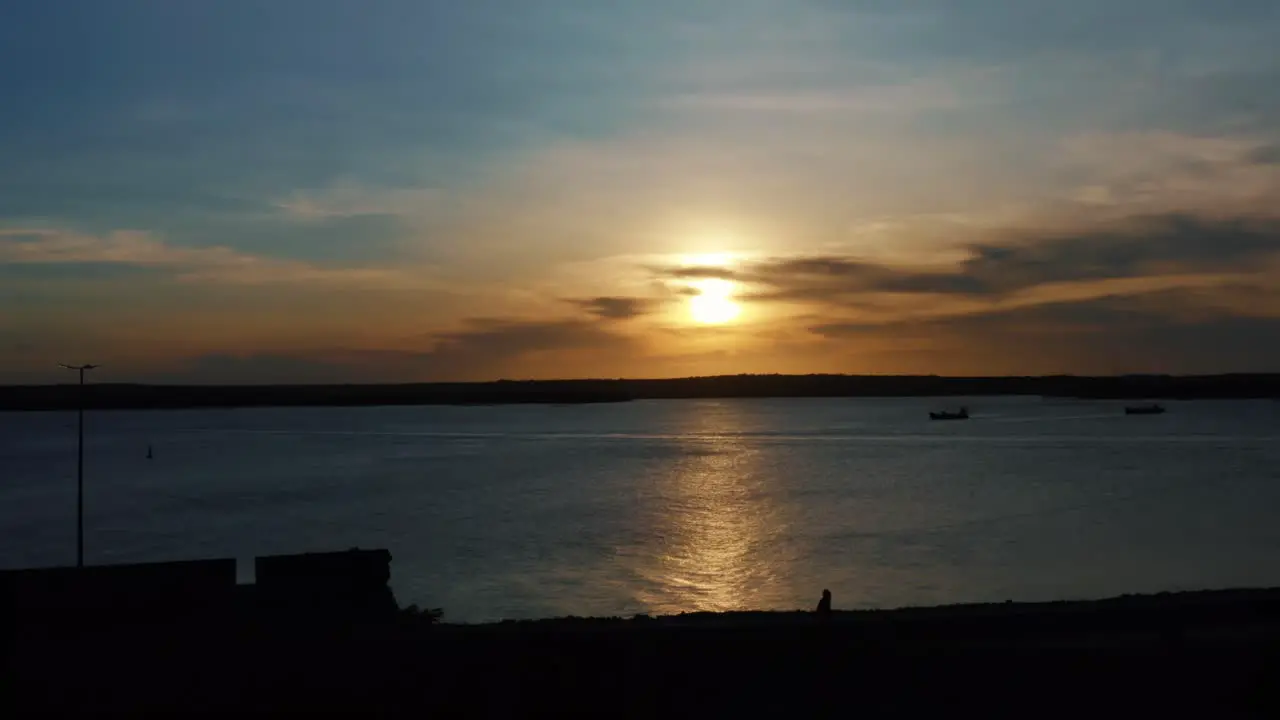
x,y
239,191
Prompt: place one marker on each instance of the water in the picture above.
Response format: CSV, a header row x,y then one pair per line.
x,y
671,506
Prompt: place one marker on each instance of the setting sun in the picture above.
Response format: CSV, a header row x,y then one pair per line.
x,y
714,302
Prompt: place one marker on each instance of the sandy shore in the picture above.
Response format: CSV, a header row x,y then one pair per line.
x,y
1215,652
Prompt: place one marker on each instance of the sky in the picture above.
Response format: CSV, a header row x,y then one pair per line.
x,y
420,190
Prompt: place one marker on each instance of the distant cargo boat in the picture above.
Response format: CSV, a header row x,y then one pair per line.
x,y
944,415
1152,409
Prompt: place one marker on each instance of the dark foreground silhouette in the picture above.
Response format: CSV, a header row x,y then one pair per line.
x,y
824,605
1213,653
119,396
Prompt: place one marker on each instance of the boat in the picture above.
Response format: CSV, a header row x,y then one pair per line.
x,y
1152,409
944,415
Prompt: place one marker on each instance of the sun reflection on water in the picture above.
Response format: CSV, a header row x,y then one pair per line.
x,y
716,518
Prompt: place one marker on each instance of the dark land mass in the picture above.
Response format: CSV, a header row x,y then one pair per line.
x,y
123,396
1216,653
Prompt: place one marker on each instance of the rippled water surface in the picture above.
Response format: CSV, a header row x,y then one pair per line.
x,y
669,506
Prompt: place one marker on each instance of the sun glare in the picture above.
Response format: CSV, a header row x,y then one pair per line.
x,y
708,260
714,303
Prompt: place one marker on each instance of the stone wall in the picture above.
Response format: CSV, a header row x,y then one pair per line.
x,y
354,582
137,591
336,584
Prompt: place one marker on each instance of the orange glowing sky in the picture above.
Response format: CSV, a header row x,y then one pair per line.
x,y
432,191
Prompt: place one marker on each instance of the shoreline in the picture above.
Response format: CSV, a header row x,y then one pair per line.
x,y
1218,650
119,396
1223,619
1193,603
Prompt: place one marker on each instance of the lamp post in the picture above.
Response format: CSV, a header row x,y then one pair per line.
x,y
80,464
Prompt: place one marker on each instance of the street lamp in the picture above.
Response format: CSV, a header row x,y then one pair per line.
x,y
80,465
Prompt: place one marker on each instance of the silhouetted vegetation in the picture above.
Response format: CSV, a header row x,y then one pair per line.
x,y
122,396
428,616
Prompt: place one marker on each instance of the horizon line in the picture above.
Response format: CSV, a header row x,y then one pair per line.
x,y
878,376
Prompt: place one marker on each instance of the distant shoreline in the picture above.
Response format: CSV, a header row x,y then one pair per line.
x,y
504,392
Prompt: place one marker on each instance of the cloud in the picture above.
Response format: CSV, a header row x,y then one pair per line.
x,y
1265,155
187,264
699,272
1119,314
349,200
899,99
616,308
508,338
1167,331
120,247
484,349
836,278
1139,247
1143,246
333,240
1134,173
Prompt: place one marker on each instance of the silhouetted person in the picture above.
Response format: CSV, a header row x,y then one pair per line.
x,y
824,605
